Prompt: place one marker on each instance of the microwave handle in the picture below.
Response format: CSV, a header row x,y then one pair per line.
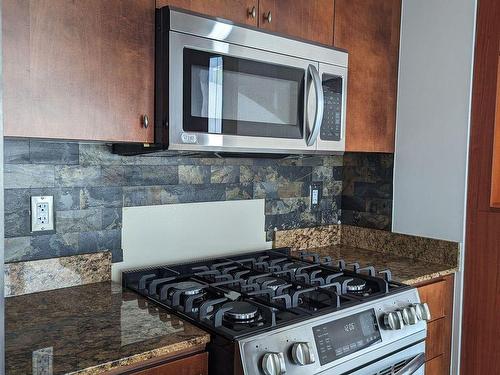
x,y
318,116
413,366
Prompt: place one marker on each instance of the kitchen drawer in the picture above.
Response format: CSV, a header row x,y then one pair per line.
x,y
435,343
435,295
435,366
193,365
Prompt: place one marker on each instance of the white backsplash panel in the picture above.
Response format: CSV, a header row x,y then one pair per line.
x,y
175,233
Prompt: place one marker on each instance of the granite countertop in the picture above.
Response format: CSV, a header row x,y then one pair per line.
x,y
406,270
90,329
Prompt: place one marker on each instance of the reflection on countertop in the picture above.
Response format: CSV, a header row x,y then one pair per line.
x,y
90,329
406,270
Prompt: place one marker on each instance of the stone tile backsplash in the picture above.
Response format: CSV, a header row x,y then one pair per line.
x,y
367,190
90,186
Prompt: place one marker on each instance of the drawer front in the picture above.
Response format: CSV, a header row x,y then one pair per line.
x,y
435,342
193,365
435,295
435,366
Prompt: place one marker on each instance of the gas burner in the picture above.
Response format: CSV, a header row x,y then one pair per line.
x,y
356,285
189,288
240,311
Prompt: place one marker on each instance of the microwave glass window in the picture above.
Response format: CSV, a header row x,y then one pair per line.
x,y
331,126
228,95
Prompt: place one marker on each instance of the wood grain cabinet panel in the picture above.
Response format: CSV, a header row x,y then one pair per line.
x,y
438,294
240,11
311,20
78,69
495,176
193,365
369,31
435,366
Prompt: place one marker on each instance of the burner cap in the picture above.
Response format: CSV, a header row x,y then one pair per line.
x,y
241,310
184,285
356,285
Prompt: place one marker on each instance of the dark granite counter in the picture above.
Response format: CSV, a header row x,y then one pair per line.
x,y
90,329
406,270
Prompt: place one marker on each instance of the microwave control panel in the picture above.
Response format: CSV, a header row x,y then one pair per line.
x,y
331,126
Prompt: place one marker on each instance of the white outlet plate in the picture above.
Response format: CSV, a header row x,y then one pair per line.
x,y
42,213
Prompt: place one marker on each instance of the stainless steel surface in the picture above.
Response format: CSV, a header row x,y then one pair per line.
x,y
204,34
422,311
268,17
273,364
303,353
222,142
413,366
145,121
409,315
318,114
234,34
252,13
282,340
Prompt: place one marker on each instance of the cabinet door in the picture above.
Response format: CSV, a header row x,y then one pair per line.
x,y
79,69
194,365
312,20
369,31
240,11
495,173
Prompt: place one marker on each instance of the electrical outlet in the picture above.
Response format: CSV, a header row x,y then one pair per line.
x,y
42,213
315,193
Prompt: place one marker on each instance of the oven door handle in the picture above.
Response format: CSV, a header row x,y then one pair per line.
x,y
318,115
412,366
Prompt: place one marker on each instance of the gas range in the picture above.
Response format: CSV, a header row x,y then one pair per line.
x,y
271,312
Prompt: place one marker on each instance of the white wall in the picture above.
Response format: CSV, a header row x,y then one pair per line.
x,y
437,38
433,120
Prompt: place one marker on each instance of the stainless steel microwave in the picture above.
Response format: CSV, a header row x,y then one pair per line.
x,y
222,87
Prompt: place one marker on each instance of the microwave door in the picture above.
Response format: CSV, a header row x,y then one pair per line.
x,y
229,98
331,137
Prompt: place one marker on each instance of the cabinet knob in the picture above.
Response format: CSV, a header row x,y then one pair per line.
x,y
145,121
252,13
268,17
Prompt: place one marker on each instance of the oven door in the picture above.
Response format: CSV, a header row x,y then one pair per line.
x,y
229,98
409,361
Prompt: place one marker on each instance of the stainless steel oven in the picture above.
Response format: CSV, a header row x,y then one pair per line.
x,y
221,87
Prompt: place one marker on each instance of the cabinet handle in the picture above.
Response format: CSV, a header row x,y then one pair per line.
x,y
252,13
145,121
268,17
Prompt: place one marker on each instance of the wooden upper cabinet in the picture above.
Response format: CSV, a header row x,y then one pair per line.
x,y
495,176
240,11
79,69
369,31
311,20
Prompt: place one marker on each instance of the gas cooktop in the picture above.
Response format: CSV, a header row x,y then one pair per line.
x,y
250,293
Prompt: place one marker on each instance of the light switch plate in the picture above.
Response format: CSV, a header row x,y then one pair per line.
x,y
316,194
42,213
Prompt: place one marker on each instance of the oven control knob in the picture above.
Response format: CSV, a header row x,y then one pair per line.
x,y
273,364
394,320
409,315
303,353
423,312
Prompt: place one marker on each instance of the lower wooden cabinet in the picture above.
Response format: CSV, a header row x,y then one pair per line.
x,y
438,294
194,365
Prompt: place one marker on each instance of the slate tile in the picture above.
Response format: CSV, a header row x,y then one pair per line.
x,y
46,152
78,220
78,176
239,191
323,173
197,193
16,200
194,174
224,174
100,240
101,196
16,151
64,198
28,176
148,195
373,190
18,249
111,218
132,175
17,224
353,203
54,245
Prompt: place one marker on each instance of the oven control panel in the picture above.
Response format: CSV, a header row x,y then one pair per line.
x,y
339,341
